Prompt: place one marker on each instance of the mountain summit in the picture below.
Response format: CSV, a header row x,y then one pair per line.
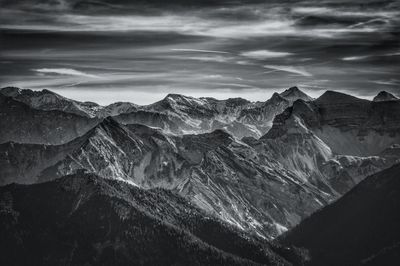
x,y
294,93
385,96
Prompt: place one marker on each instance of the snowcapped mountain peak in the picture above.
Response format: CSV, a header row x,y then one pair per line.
x,y
173,96
177,97
186,100
385,96
291,90
294,93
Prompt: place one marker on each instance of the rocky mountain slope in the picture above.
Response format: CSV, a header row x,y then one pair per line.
x,y
22,123
336,140
84,219
361,228
263,115
224,176
347,124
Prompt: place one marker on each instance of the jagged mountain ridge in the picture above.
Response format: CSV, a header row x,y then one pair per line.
x,y
47,100
175,113
85,219
361,228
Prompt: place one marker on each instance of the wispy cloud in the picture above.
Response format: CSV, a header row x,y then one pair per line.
x,y
264,54
355,58
185,24
392,54
199,51
65,71
237,85
217,58
336,12
294,70
387,82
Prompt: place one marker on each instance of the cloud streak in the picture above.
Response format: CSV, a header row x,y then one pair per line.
x,y
65,71
355,58
264,54
289,69
199,51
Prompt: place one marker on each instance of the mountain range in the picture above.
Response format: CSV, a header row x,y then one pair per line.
x,y
248,170
175,113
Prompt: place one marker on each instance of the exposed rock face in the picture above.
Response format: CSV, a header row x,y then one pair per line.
x,y
84,219
334,141
22,123
361,228
262,116
384,96
367,127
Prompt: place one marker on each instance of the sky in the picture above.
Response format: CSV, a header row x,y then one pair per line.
x,y
139,51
